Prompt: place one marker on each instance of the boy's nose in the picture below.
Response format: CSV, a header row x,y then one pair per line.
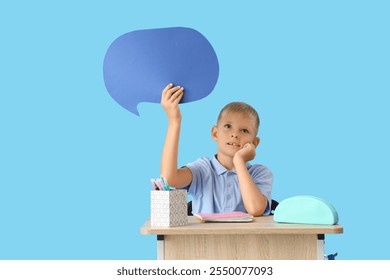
x,y
234,136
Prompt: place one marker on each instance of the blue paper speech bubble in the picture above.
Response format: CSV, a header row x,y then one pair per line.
x,y
139,64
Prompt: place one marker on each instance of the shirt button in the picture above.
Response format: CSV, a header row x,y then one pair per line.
x,y
229,196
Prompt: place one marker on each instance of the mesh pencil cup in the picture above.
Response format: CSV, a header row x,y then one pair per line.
x,y
168,208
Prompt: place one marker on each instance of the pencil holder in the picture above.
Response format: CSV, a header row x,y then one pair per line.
x,y
168,208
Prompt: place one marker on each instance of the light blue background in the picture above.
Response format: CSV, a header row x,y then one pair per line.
x,y
75,166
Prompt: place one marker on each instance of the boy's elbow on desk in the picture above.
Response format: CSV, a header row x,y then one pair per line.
x,y
256,213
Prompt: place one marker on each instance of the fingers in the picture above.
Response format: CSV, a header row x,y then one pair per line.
x,y
172,94
248,152
248,145
250,148
167,88
177,95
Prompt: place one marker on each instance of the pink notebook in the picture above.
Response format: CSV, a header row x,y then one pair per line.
x,y
236,216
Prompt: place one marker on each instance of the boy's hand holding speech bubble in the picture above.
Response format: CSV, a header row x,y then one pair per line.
x,y
139,64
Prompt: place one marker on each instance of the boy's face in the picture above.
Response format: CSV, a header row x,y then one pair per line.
x,y
233,131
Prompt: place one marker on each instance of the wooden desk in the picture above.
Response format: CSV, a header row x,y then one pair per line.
x,y
260,239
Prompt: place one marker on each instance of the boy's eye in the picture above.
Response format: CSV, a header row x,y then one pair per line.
x,y
245,130
227,126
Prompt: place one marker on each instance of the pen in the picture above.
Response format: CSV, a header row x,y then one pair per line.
x,y
165,184
160,184
160,187
154,185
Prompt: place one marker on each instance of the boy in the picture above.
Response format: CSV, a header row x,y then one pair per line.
x,y
227,182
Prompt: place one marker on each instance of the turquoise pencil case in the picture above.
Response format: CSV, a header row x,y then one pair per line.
x,y
306,209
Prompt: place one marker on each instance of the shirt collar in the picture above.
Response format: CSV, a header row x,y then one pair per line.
x,y
220,169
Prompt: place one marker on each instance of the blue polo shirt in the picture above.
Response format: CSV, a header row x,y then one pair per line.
x,y
215,189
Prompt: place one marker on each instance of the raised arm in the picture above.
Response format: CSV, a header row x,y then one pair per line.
x,y
175,177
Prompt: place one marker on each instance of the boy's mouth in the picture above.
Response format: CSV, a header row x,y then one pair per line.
x,y
234,144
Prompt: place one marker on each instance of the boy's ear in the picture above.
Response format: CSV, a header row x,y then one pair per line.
x,y
214,133
256,141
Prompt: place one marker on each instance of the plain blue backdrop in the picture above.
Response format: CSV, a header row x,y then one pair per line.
x,y
75,166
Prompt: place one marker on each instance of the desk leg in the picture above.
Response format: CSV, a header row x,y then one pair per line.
x,y
160,247
320,246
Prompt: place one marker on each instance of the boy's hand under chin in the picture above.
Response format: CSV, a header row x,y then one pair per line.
x,y
246,153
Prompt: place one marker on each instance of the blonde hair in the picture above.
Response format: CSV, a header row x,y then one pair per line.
x,y
240,107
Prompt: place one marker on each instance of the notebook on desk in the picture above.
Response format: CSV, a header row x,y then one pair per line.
x,y
227,217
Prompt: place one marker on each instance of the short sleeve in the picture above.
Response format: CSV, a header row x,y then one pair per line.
x,y
199,169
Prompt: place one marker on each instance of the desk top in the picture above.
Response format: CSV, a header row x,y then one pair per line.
x,y
260,225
